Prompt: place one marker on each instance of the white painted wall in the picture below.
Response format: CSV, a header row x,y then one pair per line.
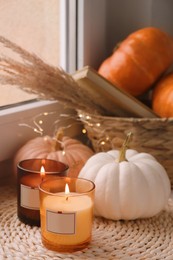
x,y
91,44
126,16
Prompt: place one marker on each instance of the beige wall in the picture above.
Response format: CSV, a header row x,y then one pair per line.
x,y
34,25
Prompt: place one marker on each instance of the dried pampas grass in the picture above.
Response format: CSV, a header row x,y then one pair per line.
x,y
33,75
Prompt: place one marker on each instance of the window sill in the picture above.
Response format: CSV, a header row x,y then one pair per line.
x,y
13,124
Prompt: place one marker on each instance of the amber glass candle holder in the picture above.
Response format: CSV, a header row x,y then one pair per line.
x,y
30,173
66,207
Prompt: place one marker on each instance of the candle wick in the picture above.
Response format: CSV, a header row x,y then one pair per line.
x,y
42,177
66,198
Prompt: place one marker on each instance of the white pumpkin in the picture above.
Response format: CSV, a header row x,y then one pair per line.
x,y
127,188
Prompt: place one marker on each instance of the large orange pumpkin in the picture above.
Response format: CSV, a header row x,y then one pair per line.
x,y
139,60
162,98
61,148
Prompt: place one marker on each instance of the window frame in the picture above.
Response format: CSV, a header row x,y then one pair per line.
x,y
68,35
10,117
78,38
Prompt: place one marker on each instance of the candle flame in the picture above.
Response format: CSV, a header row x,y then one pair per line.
x,y
67,190
42,172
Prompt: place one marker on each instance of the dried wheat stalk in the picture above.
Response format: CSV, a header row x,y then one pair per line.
x,y
35,76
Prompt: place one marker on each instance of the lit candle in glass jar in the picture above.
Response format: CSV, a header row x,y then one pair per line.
x,y
66,217
30,174
29,190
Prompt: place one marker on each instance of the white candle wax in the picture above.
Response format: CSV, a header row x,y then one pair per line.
x,y
66,221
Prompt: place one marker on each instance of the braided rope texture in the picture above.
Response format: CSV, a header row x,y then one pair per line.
x,y
120,240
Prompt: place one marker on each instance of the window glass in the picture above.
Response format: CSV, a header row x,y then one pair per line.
x,y
48,29
34,25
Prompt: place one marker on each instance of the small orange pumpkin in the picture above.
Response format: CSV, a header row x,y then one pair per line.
x,y
162,98
61,148
139,60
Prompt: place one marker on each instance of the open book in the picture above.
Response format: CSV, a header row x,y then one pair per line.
x,y
114,99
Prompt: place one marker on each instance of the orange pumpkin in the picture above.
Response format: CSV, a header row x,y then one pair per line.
x,y
62,148
162,98
139,60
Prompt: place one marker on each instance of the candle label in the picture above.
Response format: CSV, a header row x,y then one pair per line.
x,y
61,222
29,197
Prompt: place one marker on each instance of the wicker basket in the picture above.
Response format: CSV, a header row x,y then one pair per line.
x,y
151,135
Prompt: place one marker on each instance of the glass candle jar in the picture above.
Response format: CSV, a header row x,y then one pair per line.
x,y
30,173
66,207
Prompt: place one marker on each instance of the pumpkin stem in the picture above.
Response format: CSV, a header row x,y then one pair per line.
x,y
58,139
122,153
